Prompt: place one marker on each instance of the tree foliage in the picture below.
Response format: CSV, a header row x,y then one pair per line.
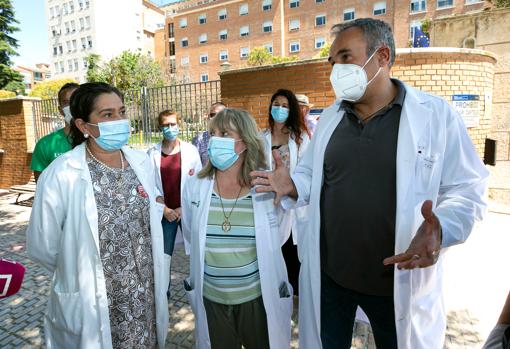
x,y
129,70
324,51
49,88
8,43
6,94
261,56
501,3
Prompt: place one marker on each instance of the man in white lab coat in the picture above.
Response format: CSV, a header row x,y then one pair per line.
x,y
392,179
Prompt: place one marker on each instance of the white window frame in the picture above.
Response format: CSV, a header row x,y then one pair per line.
x,y
412,25
223,32
223,55
184,60
379,8
269,47
222,14
293,3
472,2
244,9
320,1
444,6
321,41
349,11
202,18
183,22
322,15
87,22
267,5
267,25
292,24
241,49
204,77
202,39
244,31
204,58
184,39
421,6
294,43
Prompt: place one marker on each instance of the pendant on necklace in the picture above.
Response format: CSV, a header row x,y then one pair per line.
x,y
226,226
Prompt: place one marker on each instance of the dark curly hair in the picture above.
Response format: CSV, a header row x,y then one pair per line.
x,y
82,104
295,122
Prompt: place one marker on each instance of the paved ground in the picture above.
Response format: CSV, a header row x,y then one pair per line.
x,y
473,293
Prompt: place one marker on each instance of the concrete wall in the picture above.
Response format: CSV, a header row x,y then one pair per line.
x,y
16,141
443,72
489,29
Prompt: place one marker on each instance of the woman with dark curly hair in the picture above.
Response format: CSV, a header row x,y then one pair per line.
x,y
289,136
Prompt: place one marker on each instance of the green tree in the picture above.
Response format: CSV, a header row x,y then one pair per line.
x,y
49,88
324,52
15,86
8,43
261,56
6,94
129,70
500,3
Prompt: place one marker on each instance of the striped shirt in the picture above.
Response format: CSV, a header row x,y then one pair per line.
x,y
231,274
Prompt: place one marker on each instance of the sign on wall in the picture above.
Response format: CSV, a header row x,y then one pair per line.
x,y
468,106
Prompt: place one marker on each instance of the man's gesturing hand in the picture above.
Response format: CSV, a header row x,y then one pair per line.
x,y
425,246
277,181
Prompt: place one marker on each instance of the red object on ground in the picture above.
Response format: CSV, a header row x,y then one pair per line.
x,y
11,277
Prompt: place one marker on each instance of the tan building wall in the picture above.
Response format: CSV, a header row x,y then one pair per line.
x,y
16,141
440,72
487,30
398,14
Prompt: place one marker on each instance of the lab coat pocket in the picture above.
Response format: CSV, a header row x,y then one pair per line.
x,y
65,311
424,172
190,293
286,300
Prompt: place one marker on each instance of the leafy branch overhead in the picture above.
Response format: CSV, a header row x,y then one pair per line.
x,y
8,44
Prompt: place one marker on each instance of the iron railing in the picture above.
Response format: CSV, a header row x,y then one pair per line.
x,y
191,101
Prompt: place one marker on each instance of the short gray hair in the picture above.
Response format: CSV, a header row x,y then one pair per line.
x,y
377,33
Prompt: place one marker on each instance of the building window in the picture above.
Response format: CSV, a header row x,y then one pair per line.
x,y
60,49
75,46
73,26
204,58
82,24
444,3
294,46
66,25
69,65
223,55
294,24
244,52
55,50
349,14
202,39
83,43
244,30
222,14
320,42
204,77
267,27
412,26
171,33
319,1
320,20
76,65
185,60
71,6
87,22
89,41
269,47
183,22
293,3
418,6
243,10
267,5
172,48
469,2
184,42
85,63
223,34
202,19
61,64
80,3
380,8
68,45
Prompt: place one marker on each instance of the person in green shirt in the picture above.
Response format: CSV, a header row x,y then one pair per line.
x,y
56,143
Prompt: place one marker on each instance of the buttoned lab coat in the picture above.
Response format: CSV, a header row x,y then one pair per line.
x,y
292,220
273,273
190,166
436,161
63,236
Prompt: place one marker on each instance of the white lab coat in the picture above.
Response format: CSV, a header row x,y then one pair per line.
x,y
63,236
436,160
293,220
195,209
190,166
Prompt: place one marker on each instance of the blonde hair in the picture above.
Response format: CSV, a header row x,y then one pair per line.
x,y
241,122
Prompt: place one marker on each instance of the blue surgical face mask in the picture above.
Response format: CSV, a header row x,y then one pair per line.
x,y
279,114
170,132
113,135
221,152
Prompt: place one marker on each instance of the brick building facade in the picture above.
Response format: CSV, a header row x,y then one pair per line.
x,y
203,38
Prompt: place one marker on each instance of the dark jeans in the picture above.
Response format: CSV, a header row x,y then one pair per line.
x,y
338,310
169,233
231,326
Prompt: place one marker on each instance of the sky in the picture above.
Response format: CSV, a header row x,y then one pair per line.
x,y
33,34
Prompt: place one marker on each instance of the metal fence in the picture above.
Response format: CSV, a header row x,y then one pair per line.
x,y
191,101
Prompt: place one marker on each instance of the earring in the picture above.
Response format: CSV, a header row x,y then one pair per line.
x,y
86,135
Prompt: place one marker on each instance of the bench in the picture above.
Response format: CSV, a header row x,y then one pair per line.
x,y
21,189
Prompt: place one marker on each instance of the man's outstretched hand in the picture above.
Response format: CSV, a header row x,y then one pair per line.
x,y
425,246
277,181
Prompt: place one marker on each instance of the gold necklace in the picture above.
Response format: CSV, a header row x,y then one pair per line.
x,y
114,170
226,226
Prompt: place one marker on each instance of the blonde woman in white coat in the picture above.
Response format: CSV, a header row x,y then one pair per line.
x,y
238,286
288,135
96,226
